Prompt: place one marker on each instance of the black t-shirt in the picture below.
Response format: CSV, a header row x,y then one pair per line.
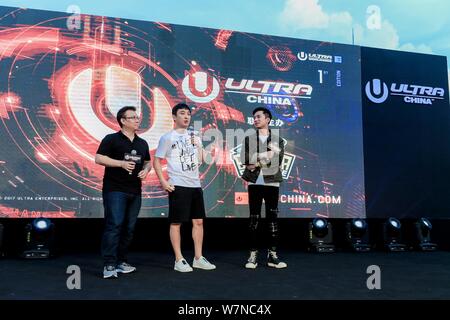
x,y
119,147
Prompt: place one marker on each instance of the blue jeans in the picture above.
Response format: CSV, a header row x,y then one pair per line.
x,y
121,212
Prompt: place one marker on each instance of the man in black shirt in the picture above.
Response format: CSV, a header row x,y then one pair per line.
x,y
126,158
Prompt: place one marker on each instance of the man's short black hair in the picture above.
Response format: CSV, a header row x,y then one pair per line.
x,y
266,112
121,113
180,106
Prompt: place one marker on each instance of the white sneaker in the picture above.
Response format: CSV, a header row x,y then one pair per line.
x,y
125,268
109,272
251,262
182,266
202,263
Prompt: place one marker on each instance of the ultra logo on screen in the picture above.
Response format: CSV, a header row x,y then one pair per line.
x,y
377,91
203,88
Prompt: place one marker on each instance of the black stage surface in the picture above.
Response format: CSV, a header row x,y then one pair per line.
x,y
342,275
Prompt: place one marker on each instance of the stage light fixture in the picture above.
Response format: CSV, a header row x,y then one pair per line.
x,y
39,239
357,235
392,235
320,236
422,235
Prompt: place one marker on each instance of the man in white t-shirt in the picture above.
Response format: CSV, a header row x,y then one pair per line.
x,y
184,154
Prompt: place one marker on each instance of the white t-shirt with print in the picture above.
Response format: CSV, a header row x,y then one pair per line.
x,y
182,158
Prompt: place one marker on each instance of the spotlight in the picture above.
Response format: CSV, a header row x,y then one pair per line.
x,y
393,235
423,235
41,224
320,236
358,235
39,239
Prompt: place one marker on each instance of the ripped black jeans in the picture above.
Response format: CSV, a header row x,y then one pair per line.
x,y
256,194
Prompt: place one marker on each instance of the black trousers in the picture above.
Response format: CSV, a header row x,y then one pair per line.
x,y
256,194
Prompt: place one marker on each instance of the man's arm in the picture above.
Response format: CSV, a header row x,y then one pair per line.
x,y
158,169
147,165
201,152
109,162
273,159
145,170
248,160
281,153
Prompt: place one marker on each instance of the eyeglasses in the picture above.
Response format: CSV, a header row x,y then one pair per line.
x,y
132,118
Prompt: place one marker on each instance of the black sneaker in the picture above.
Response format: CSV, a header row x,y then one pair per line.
x,y
273,260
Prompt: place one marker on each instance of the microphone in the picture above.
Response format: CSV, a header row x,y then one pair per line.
x,y
133,153
192,138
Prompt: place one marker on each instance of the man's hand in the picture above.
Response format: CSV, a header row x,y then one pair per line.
x,y
195,141
274,147
143,173
167,186
128,165
266,155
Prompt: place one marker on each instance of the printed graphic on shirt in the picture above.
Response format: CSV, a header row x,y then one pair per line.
x,y
182,159
187,154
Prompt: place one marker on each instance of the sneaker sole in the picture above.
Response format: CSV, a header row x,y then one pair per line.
x,y
207,269
273,265
251,267
113,276
183,271
123,271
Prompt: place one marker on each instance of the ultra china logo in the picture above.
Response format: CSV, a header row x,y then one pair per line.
x,y
378,92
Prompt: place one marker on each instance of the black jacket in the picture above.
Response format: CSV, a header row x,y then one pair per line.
x,y
252,152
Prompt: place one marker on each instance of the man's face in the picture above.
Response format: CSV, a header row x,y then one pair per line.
x,y
130,120
261,120
182,118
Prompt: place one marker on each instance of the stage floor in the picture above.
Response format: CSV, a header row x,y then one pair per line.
x,y
410,275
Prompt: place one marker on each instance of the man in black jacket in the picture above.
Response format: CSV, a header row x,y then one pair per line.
x,y
262,154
